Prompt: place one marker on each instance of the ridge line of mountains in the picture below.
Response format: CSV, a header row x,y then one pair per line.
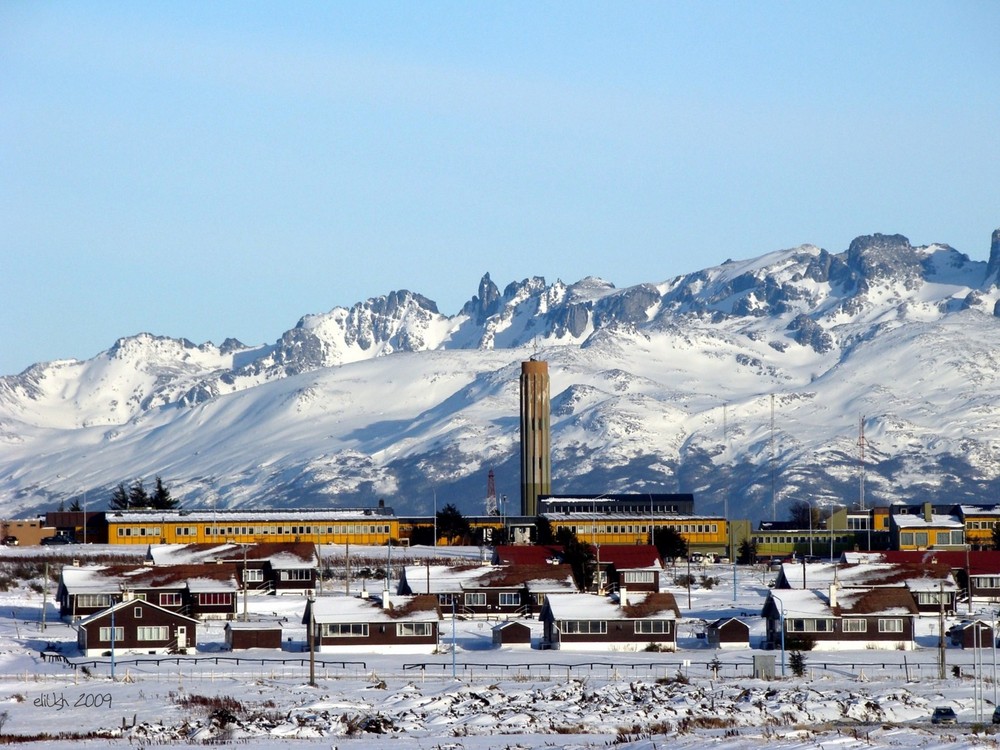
x,y
746,384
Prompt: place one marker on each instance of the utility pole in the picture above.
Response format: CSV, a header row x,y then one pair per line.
x,y
312,644
941,650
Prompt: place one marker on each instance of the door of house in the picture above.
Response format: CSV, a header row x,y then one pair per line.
x,y
181,636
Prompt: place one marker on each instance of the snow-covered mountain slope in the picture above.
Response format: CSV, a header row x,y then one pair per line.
x,y
743,383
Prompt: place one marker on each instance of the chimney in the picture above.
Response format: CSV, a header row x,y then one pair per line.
x,y
833,595
622,596
928,512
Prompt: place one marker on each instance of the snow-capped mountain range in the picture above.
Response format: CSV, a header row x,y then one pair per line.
x,y
745,383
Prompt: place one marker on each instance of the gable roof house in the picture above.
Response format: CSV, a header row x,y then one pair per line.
x,y
400,624
728,632
135,626
477,591
592,622
206,591
931,583
265,567
881,618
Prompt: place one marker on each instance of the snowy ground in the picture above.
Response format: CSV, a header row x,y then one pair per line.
x,y
507,698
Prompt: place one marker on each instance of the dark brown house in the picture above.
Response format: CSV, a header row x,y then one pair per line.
x,y
728,632
843,618
263,568
592,622
971,634
204,591
135,626
511,633
401,624
244,635
503,592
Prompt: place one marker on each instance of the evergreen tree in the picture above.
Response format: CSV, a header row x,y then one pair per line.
x,y
119,498
579,556
543,531
75,505
747,552
452,525
797,663
161,499
669,543
996,537
137,495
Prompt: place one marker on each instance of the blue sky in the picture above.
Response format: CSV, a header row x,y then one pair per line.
x,y
206,170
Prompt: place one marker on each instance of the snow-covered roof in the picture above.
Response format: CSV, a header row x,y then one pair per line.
x,y
649,606
342,608
114,578
867,575
796,603
251,516
937,521
632,518
444,579
133,603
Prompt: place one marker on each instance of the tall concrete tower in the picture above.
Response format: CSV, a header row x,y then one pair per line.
x,y
536,444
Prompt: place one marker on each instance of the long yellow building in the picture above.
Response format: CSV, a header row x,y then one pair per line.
x,y
374,526
702,533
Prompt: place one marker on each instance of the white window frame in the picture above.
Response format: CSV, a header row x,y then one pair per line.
x,y
854,625
414,629
105,635
890,625
158,633
652,627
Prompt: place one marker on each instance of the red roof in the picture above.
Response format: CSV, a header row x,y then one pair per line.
x,y
982,562
627,556
622,556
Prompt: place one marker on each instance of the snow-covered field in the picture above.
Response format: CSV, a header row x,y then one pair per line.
x,y
478,697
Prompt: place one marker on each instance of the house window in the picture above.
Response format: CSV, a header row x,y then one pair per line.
x,y
475,599
508,599
172,599
585,627
931,597
406,629
345,630
986,582
297,574
105,634
253,575
152,633
920,538
93,600
639,576
137,613
890,625
215,599
447,600
808,626
855,625
652,627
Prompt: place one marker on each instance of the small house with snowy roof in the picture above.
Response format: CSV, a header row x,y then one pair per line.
x,y
400,624
136,626
593,622
879,618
